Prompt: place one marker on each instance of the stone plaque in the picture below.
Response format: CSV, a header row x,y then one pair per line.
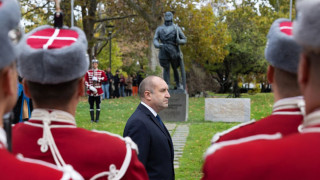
x,y
227,109
178,107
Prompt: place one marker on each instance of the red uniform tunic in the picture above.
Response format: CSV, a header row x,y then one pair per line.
x,y
91,153
293,157
287,115
101,77
13,168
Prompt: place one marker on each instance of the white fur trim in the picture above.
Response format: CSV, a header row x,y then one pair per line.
x,y
306,26
281,50
53,66
9,19
213,148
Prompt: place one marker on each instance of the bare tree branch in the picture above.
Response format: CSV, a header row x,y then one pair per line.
x,y
107,40
141,11
101,48
113,18
99,26
101,38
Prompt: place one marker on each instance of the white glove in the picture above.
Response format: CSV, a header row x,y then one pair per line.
x,y
94,78
93,89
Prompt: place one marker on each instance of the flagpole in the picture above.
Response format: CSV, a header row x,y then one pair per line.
x,y
72,3
290,10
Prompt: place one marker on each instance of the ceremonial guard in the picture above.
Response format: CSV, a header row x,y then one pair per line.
x,y
53,63
17,167
282,53
93,80
293,157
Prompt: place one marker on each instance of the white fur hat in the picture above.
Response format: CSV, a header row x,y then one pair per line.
x,y
52,56
282,51
9,19
306,28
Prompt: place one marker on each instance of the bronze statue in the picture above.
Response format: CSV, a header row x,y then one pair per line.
x,y
167,38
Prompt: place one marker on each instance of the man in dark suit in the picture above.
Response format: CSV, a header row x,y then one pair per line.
x,y
149,133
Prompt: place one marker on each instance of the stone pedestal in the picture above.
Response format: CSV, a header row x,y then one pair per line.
x,y
178,107
227,109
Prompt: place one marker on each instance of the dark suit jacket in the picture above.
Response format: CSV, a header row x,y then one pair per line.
x,y
154,143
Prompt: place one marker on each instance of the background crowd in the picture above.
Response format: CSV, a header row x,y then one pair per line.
x,y
119,85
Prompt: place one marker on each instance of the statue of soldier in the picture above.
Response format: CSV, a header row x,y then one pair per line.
x,y
167,38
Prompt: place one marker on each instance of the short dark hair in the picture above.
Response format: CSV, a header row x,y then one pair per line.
x,y
147,84
53,94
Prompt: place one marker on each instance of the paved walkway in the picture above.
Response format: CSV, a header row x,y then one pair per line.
x,y
179,134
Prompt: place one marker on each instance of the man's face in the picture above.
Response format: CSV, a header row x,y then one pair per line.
x,y
168,16
95,65
160,95
108,70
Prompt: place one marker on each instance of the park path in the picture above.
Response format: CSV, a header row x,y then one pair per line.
x,y
179,134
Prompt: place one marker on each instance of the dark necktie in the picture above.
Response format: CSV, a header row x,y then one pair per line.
x,y
159,119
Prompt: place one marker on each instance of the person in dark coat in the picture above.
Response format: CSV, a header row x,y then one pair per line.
x,y
116,82
109,82
134,85
147,130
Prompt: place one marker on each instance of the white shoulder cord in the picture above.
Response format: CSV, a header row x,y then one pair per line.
x,y
113,173
48,140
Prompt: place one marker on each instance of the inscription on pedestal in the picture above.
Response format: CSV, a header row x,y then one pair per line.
x,y
177,109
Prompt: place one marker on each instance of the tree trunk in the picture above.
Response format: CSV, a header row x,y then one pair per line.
x,y
88,23
236,90
66,9
153,54
154,19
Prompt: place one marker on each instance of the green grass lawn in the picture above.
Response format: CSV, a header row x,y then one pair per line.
x,y
115,113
